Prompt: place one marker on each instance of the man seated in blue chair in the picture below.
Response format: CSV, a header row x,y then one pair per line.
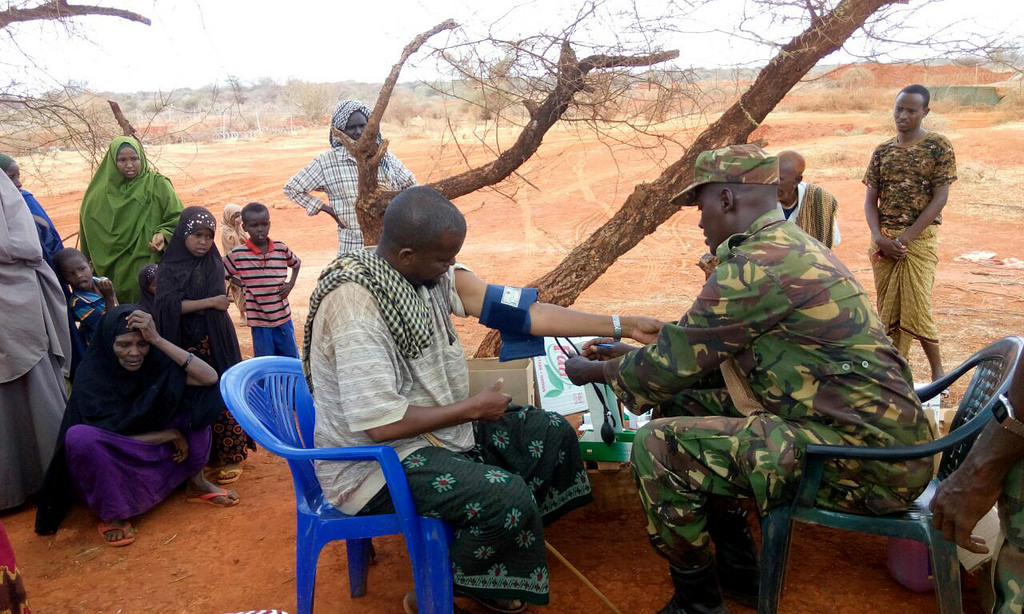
x,y
387,367
789,321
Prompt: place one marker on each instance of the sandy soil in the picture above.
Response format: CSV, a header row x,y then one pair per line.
x,y
201,559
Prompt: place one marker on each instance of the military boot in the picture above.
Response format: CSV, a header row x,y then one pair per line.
x,y
697,592
735,555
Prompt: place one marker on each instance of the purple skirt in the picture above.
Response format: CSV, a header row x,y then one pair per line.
x,y
119,477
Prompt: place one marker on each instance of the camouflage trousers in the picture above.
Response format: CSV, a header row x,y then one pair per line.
x,y
710,452
1008,572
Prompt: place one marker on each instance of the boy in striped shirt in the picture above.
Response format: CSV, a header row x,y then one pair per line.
x,y
260,267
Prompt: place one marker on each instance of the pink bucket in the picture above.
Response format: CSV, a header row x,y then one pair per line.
x,y
910,564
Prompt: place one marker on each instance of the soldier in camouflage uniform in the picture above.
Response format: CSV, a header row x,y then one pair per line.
x,y
804,333
994,470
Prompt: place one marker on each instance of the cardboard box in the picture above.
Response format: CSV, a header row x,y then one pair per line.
x,y
518,376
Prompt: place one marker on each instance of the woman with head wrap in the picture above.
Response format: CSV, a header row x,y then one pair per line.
x,y
191,311
231,236
49,241
136,428
128,213
35,344
334,173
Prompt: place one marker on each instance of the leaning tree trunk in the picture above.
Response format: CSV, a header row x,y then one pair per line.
x,y
648,206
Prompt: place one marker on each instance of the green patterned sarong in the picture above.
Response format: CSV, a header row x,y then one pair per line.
x,y
524,473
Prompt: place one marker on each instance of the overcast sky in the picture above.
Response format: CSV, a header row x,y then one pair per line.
x,y
193,43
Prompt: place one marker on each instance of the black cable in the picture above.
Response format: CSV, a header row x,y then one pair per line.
x,y
608,428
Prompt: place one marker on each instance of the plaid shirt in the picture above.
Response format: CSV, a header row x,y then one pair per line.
x,y
334,172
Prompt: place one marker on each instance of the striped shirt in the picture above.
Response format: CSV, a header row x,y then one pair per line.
x,y
262,276
334,172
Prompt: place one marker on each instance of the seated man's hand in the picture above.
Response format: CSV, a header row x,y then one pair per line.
x,y
604,348
490,403
644,330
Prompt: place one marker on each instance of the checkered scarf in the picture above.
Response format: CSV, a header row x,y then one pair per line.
x,y
404,311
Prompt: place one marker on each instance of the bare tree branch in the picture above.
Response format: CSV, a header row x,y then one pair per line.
x,y
126,126
366,151
60,9
648,206
569,80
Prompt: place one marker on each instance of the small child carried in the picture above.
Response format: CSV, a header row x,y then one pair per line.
x,y
260,267
91,296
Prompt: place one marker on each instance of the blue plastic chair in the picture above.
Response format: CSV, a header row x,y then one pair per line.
x,y
268,396
994,368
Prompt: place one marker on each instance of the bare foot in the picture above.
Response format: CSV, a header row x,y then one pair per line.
x,y
117,532
199,488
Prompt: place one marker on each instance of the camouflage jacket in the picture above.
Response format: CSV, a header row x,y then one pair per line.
x,y
800,327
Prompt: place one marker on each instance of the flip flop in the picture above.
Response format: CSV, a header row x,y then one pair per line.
x,y
229,475
103,528
208,498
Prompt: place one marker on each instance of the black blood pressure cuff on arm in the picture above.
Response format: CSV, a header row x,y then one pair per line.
x,y
507,310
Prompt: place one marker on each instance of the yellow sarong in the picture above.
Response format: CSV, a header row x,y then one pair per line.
x,y
904,289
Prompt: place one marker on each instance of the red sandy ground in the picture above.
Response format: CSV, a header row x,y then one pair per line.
x,y
201,559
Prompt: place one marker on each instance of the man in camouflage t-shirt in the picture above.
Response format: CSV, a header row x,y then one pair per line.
x,y
805,335
908,181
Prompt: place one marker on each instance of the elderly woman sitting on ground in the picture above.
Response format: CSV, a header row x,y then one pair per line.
x,y
137,426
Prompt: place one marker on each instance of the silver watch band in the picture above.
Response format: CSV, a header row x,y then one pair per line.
x,y
1008,419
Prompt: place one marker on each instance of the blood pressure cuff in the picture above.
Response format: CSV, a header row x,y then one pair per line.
x,y
507,310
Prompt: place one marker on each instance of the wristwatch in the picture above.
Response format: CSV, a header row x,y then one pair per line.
x,y
1006,416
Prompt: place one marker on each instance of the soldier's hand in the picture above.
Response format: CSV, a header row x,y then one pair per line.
x,y
490,403
959,503
582,371
604,348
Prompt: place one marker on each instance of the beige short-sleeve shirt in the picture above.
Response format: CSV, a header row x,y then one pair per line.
x,y
361,382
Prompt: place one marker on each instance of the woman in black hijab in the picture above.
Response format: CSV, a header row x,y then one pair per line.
x,y
135,428
191,311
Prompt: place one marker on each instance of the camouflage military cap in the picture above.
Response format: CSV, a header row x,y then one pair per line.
x,y
732,164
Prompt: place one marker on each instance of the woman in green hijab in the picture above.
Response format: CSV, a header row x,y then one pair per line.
x,y
128,213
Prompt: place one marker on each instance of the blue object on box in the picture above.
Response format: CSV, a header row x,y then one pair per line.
x,y
507,310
